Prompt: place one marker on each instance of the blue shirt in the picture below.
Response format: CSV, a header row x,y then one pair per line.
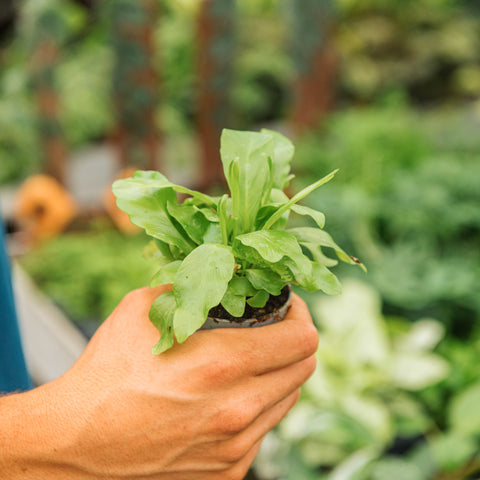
x,y
13,371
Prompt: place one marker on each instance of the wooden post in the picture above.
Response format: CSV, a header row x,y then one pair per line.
x,y
215,54
316,61
135,82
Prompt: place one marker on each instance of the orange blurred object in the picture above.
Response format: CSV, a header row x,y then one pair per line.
x,y
119,217
44,208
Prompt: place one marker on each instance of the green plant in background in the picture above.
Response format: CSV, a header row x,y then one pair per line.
x,y
81,271
360,399
231,250
412,200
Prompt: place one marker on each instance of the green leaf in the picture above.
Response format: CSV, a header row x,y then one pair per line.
x,y
266,212
320,237
318,217
233,303
246,167
274,245
453,450
200,284
317,254
322,279
151,251
259,299
208,213
145,201
166,274
161,315
296,198
224,219
191,220
242,286
265,279
213,234
164,249
464,411
283,153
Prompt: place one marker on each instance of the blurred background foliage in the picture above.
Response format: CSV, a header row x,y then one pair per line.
x,y
397,390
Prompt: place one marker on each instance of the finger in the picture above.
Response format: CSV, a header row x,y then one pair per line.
x,y
268,348
272,387
249,399
240,469
239,446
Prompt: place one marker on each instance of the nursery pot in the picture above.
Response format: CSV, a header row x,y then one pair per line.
x,y
273,312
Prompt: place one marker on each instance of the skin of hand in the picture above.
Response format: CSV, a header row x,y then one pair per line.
x,y
198,411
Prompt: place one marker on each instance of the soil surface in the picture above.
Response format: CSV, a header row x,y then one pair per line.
x,y
274,303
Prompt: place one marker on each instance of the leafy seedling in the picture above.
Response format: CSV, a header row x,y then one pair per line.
x,y
234,250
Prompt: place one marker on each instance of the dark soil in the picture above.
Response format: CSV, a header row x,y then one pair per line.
x,y
274,303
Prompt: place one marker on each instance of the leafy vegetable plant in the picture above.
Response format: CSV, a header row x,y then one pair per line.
x,y
229,250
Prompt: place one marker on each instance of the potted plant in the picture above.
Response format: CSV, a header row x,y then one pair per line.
x,y
229,254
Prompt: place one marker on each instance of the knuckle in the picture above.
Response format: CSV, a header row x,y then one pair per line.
x,y
308,339
310,365
235,450
217,371
232,419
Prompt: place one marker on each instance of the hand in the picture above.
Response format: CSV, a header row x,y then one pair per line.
x,y
198,411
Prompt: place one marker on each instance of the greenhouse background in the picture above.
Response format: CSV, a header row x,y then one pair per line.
x,y
387,91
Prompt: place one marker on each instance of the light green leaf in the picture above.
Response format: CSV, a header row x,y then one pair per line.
x,y
318,217
259,299
354,465
165,250
416,371
145,202
166,274
283,151
200,284
190,219
209,214
323,279
152,251
246,167
453,450
264,279
213,234
296,198
464,411
317,254
242,286
395,468
323,239
161,315
233,303
224,219
273,245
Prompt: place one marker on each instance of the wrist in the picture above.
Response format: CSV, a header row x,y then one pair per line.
x,y
33,440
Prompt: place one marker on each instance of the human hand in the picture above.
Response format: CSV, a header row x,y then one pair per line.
x,y
198,411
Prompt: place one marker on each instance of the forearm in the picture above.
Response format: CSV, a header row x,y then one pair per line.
x,y
32,443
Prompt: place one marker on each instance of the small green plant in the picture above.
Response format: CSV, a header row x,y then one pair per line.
x,y
229,250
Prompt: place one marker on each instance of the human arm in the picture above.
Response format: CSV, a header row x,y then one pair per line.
x,y
199,410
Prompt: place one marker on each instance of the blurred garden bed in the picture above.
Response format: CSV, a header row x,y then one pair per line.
x,y
407,194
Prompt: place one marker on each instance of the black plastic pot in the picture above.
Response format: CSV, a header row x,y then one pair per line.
x,y
267,319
